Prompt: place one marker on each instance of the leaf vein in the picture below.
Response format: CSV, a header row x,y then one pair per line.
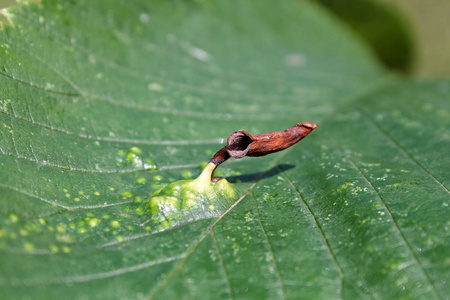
x,y
69,208
399,231
86,278
401,148
97,171
118,140
222,263
217,71
319,226
280,278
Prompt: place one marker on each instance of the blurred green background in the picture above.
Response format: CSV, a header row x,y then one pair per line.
x,y
430,24
410,36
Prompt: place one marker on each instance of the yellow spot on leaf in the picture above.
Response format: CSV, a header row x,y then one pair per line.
x,y
141,180
14,218
94,222
28,246
126,195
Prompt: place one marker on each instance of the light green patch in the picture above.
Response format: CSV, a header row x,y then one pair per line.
x,y
61,228
77,199
219,174
64,238
150,165
49,86
119,238
203,165
28,246
133,156
185,198
126,195
65,249
30,227
94,222
158,178
14,218
23,232
115,224
81,230
97,193
141,180
140,211
343,187
4,104
187,174
154,86
68,195
53,248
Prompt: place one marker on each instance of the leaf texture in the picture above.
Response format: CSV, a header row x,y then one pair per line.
x,y
102,104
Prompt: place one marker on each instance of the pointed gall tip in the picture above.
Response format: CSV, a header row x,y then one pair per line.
x,y
309,125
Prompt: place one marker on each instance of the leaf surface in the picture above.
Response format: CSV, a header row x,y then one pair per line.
x,y
103,104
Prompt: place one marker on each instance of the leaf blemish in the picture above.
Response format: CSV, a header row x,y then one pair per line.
x,y
134,157
190,199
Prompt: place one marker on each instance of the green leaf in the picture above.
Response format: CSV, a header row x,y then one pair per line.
x,y
103,104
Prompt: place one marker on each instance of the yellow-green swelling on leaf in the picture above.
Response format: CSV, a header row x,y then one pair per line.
x,y
105,103
179,201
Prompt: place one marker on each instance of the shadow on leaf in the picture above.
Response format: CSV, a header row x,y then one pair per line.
x,y
252,177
